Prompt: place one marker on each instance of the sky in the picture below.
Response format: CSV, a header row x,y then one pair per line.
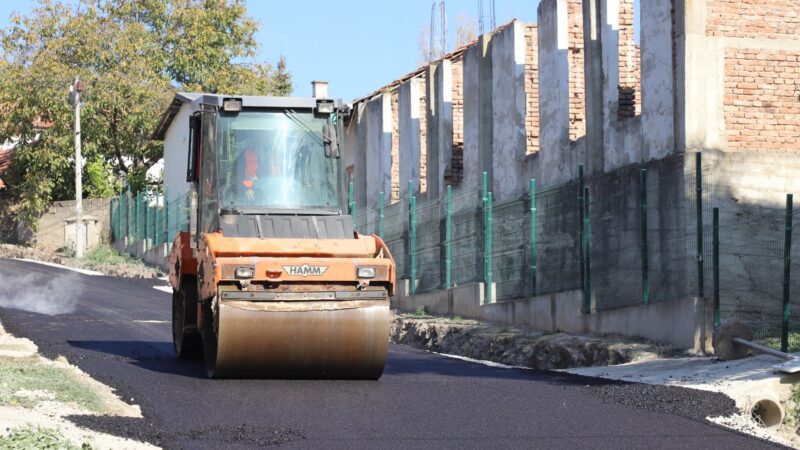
x,y
357,46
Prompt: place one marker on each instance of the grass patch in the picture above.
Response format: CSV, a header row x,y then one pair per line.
x,y
33,375
420,313
792,407
105,255
24,438
775,342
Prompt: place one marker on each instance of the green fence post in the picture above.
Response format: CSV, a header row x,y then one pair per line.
x,y
128,215
167,239
645,256
138,235
448,240
486,252
699,205
380,215
581,231
351,203
533,237
148,227
715,263
787,265
587,235
118,231
159,221
488,248
412,239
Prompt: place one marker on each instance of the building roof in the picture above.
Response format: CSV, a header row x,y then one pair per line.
x,y
173,108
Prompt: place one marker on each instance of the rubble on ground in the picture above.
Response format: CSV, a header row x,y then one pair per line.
x,y
516,346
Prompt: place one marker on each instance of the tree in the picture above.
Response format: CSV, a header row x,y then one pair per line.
x,y
466,30
132,55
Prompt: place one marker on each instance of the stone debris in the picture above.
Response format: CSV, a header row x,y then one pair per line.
x,y
516,346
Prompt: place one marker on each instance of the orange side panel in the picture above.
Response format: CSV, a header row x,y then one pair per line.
x,y
181,259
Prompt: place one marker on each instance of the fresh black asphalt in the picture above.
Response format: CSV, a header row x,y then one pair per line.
x,y
120,334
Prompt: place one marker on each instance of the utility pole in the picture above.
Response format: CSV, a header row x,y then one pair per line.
x,y
75,92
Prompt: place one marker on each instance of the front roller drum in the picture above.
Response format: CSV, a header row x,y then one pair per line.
x,y
316,339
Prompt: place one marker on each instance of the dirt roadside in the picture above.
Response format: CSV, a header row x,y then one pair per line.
x,y
37,394
519,347
101,259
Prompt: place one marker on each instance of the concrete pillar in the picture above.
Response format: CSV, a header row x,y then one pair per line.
x,y
657,86
408,117
508,109
379,148
700,119
593,76
609,43
553,92
444,114
472,157
485,105
360,155
439,146
432,178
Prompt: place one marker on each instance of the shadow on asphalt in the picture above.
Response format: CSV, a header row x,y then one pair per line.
x,y
156,356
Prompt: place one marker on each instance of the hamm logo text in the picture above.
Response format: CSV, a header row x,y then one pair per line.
x,y
305,270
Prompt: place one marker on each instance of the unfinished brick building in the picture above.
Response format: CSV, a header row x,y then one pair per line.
x,y
538,101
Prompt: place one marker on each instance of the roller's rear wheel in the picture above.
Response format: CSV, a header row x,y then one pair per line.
x,y
185,339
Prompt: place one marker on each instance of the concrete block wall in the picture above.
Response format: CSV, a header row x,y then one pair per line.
x,y
719,76
50,234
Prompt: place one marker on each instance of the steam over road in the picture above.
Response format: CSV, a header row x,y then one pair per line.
x,y
118,331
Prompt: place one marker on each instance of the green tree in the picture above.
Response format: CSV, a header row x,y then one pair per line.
x,y
132,55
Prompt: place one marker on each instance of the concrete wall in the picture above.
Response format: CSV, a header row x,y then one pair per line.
x,y
50,234
508,110
378,149
684,323
176,152
409,128
718,76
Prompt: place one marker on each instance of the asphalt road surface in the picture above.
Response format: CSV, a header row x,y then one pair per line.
x,y
120,334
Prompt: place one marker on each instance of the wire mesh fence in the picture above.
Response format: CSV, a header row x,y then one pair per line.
x,y
628,238
149,217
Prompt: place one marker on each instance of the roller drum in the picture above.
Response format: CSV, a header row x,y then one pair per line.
x,y
308,339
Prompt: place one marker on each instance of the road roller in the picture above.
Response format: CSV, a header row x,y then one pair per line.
x,y
271,280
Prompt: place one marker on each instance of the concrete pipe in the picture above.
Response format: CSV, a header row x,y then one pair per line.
x,y
768,413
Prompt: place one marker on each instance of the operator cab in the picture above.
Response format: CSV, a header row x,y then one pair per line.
x,y
267,167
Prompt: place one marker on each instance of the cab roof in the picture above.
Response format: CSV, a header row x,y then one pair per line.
x,y
248,101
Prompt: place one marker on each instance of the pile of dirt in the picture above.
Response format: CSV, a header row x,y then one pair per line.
x,y
516,346
133,269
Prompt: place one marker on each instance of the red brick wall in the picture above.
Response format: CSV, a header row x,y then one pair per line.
x,y
577,94
532,88
762,109
395,197
423,134
773,19
629,73
456,171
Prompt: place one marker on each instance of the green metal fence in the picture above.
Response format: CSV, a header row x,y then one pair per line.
x,y
637,236
149,218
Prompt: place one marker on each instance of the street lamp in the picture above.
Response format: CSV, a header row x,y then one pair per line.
x,y
75,92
